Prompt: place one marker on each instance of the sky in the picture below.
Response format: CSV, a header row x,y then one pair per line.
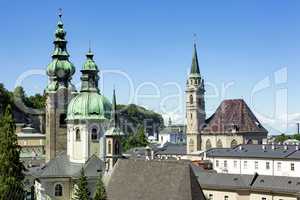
x,y
246,49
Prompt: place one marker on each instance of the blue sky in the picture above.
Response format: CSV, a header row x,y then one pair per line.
x,y
251,46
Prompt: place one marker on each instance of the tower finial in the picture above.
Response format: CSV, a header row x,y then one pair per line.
x,y
60,12
194,38
90,48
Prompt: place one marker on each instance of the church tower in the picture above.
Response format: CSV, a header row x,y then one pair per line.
x,y
88,116
113,138
59,93
195,106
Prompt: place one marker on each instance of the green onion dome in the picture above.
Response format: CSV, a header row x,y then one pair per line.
x,y
60,65
89,105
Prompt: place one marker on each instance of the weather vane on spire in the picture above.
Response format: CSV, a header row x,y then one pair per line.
x,y
90,48
60,12
195,37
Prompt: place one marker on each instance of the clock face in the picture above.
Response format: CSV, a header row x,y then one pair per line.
x,y
61,73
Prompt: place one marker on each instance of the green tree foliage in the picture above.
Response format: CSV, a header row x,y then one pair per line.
x,y
133,116
100,193
81,191
5,98
281,138
11,168
36,101
296,137
138,139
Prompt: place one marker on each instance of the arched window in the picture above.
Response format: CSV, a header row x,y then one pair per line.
x,y
249,141
94,134
219,144
109,147
77,135
191,145
62,120
208,144
58,190
117,147
233,143
191,99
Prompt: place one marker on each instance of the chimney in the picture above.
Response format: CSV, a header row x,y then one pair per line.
x,y
263,147
273,146
240,147
297,147
285,147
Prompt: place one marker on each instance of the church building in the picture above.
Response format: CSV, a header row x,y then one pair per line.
x,y
232,124
82,131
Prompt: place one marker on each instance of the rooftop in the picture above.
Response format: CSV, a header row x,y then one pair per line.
x,y
233,116
168,180
271,184
257,151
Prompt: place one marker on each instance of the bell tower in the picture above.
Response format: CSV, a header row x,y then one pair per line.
x,y
113,138
59,93
195,106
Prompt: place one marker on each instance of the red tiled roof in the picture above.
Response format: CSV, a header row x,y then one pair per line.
x,y
233,115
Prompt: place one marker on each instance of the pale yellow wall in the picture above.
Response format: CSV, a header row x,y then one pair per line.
x,y
219,195
226,140
27,142
232,195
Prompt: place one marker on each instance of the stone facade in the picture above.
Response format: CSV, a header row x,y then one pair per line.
x,y
195,107
56,127
233,122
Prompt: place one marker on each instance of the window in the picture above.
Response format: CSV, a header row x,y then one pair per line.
x,y
217,163
267,165
94,134
245,164
208,144
263,198
62,120
292,167
225,163
279,166
235,164
58,190
210,197
117,148
191,145
226,197
256,165
191,99
109,147
77,135
233,143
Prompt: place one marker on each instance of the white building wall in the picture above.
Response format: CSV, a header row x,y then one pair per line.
x,y
250,166
164,138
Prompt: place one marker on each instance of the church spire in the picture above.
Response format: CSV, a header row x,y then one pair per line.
x,y
114,116
195,65
60,70
89,78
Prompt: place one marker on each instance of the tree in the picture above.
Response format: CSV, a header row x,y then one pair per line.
x,y
5,98
100,193
11,168
281,138
296,137
82,191
142,139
